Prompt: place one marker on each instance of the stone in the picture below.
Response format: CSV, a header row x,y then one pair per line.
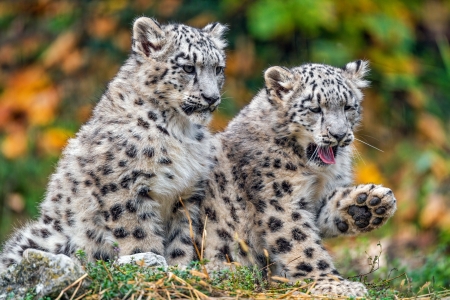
x,y
148,259
40,273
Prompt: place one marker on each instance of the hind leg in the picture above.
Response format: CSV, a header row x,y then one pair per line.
x,y
180,249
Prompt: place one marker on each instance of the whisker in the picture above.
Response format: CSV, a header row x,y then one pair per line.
x,y
313,155
358,154
369,145
370,137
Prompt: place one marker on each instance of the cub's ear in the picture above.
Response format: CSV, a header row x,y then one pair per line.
x,y
216,32
279,79
148,36
356,70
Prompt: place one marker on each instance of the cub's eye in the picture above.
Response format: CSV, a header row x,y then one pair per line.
x,y
189,69
315,110
219,70
347,107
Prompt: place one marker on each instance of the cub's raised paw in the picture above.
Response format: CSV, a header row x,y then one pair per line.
x,y
340,288
367,207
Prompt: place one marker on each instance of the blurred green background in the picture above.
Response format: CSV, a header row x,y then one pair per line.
x,y
57,56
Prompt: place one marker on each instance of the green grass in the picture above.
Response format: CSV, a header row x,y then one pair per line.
x,y
107,280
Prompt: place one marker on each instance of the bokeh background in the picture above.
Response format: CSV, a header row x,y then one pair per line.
x,y
57,56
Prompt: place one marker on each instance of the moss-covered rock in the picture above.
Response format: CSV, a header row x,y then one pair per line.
x,y
40,273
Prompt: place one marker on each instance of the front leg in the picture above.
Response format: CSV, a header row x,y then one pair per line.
x,y
295,248
352,210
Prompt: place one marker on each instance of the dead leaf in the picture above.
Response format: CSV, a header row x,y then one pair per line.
x,y
15,202
72,62
431,128
102,27
433,211
60,48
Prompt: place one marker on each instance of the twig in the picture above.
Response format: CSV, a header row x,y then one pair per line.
x,y
70,286
107,271
191,231
76,290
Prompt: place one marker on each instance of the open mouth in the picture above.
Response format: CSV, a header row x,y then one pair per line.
x,y
189,109
322,154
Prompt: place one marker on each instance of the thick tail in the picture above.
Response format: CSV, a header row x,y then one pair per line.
x,y
41,235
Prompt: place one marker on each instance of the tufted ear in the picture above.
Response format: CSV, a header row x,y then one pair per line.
x,y
280,79
216,32
148,36
355,71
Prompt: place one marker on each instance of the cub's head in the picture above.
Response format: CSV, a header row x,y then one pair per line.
x,y
180,67
322,105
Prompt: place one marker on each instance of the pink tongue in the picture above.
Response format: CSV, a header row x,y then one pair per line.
x,y
326,155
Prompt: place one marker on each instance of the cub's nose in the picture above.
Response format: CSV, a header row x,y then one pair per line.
x,y
338,136
211,99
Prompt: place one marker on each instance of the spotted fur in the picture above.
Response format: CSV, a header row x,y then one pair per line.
x,y
269,190
121,178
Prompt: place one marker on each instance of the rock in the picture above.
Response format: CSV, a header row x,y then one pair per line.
x,y
41,273
149,259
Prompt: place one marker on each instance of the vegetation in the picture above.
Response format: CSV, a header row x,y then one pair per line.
x,y
108,280
57,56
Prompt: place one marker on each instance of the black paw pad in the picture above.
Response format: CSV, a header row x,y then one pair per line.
x,y
342,226
361,198
374,201
377,221
360,214
380,211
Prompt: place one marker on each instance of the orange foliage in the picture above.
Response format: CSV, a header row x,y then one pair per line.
x,y
53,140
14,145
29,93
368,172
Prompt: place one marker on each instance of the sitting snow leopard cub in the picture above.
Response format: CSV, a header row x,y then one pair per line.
x,y
146,145
282,179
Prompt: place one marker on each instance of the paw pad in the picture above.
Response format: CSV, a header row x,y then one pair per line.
x,y
374,201
377,221
360,214
368,209
342,226
380,211
361,198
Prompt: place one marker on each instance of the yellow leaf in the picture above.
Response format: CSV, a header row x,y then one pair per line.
x,y
368,173
53,140
43,107
14,145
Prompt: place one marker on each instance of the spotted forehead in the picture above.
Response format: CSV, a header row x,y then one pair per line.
x,y
326,81
196,45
